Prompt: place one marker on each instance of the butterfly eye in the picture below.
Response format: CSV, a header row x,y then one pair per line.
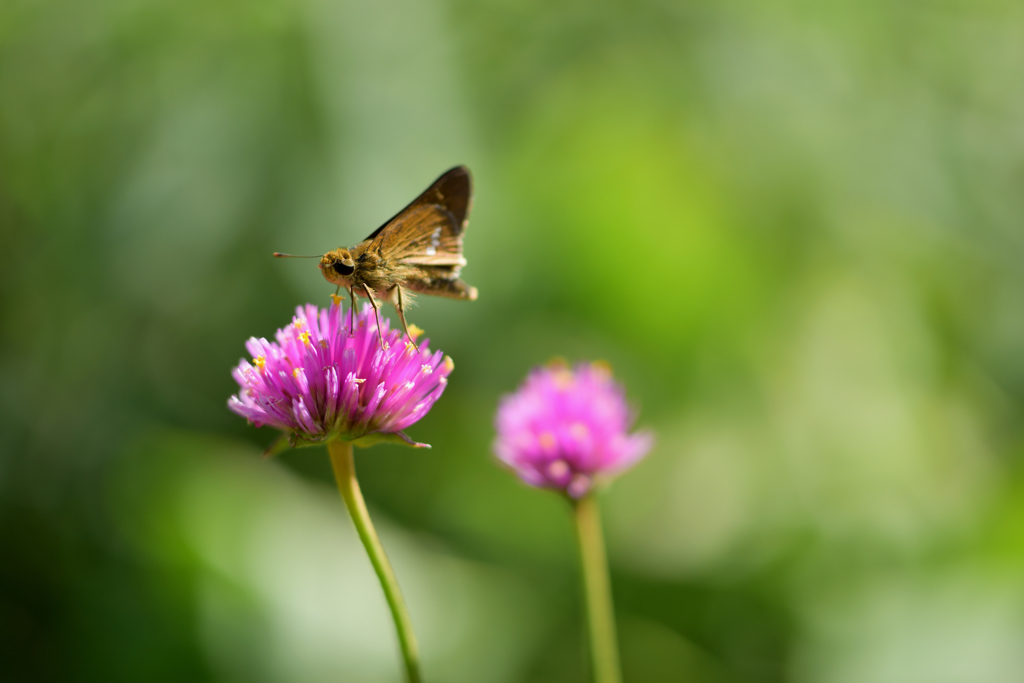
x,y
341,269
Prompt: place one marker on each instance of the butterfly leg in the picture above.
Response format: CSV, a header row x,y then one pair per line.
x,y
352,319
395,295
376,315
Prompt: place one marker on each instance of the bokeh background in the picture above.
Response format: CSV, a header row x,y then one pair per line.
x,y
793,228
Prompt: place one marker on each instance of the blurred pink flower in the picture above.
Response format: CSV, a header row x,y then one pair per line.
x,y
317,382
566,429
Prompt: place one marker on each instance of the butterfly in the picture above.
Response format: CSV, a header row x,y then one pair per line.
x,y
419,250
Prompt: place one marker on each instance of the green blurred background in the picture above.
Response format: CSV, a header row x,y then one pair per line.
x,y
793,228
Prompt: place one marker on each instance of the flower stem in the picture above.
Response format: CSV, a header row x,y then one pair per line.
x,y
345,475
604,651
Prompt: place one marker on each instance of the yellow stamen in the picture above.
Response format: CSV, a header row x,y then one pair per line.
x,y
579,431
298,322
563,378
323,343
304,336
449,364
337,299
427,369
295,373
558,469
259,361
415,332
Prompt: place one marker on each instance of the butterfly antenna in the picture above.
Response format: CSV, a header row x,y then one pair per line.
x,y
278,254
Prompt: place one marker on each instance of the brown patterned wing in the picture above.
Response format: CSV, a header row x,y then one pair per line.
x,y
428,232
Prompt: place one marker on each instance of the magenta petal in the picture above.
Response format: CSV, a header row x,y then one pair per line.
x,y
567,428
316,380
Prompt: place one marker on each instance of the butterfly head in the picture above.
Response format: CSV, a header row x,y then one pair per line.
x,y
337,267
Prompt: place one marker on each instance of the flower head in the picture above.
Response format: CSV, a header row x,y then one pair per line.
x,y
317,381
567,428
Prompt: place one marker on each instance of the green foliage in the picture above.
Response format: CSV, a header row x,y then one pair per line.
x,y
794,229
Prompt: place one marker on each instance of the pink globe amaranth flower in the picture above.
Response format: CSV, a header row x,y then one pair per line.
x,y
566,429
317,381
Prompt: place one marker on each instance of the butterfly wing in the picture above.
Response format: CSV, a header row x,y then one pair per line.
x,y
428,232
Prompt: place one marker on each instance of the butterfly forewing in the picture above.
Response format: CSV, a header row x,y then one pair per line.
x,y
424,235
452,192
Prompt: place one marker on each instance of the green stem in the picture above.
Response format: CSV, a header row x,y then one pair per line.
x,y
345,475
604,651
